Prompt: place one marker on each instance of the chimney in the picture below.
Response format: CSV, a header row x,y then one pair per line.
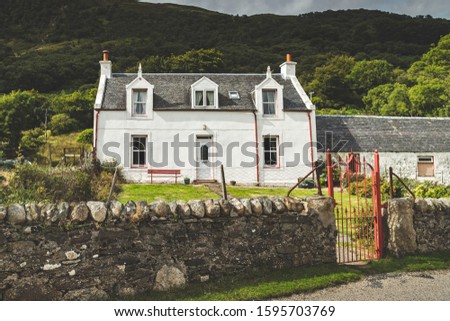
x,y
106,65
288,68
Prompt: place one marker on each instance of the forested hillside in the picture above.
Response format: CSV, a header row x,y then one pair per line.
x,y
51,45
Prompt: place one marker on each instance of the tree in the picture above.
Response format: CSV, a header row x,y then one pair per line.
x,y
62,124
19,111
31,141
368,74
430,98
86,137
331,85
78,105
388,100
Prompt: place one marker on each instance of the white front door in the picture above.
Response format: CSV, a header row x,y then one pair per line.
x,y
204,168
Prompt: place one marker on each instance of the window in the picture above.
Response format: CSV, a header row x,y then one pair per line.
x,y
271,151
269,98
204,153
139,151
204,98
425,166
234,95
139,102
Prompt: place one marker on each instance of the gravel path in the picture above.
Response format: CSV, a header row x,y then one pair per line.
x,y
414,286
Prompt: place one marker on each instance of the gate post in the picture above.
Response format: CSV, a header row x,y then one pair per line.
x,y
330,174
376,198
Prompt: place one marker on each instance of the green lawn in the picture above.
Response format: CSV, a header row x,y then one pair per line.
x,y
164,192
264,284
252,192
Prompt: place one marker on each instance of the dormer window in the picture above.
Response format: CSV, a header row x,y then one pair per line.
x,y
205,94
139,101
269,101
204,98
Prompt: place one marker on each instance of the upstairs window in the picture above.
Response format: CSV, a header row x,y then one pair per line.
x,y
204,98
271,151
269,102
139,102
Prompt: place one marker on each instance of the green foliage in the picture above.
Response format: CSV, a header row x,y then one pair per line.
x,y
34,183
31,141
432,190
77,105
19,111
331,85
86,137
51,45
202,60
367,74
388,100
62,124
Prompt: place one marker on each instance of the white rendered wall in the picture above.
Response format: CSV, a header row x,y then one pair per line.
x,y
225,128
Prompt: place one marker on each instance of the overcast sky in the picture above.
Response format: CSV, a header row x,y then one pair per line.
x,y
435,8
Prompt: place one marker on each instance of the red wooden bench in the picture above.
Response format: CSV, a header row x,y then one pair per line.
x,y
164,172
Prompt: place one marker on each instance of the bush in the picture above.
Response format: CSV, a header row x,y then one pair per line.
x,y
62,124
86,137
432,190
34,183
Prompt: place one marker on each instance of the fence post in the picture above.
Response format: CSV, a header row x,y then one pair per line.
x,y
224,185
376,195
330,174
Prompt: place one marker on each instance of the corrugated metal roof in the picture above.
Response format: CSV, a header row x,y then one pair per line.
x,y
173,91
387,134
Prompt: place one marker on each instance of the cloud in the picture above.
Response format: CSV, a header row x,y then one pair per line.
x,y
436,8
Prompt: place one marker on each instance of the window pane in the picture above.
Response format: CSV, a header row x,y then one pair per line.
x,y
269,102
199,98
139,101
210,98
271,150
204,153
139,151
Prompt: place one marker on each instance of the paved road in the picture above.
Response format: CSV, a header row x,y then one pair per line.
x,y
416,286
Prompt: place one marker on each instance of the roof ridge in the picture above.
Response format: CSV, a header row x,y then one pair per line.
x,y
193,74
382,117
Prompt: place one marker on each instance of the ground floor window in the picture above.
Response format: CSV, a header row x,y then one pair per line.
x,y
139,151
425,166
271,151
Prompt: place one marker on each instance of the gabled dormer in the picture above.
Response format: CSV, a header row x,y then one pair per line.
x,y
140,97
205,93
268,96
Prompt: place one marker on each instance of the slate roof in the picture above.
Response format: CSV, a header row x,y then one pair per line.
x,y
387,134
173,91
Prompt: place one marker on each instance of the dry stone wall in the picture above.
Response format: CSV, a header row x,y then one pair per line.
x,y
422,225
95,250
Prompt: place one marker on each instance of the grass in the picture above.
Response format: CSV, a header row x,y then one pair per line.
x,y
265,284
166,192
252,192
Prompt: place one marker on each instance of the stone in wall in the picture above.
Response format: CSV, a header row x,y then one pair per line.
x,y
98,211
169,277
324,207
80,212
402,235
16,214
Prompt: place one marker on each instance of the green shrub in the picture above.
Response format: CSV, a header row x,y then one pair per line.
x,y
86,137
62,124
432,190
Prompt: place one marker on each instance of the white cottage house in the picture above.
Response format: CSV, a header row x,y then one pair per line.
x,y
415,147
261,127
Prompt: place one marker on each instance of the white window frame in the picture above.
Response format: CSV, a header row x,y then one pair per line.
x,y
139,84
271,150
272,85
205,86
144,150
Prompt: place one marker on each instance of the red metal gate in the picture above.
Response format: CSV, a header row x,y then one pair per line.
x,y
357,209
